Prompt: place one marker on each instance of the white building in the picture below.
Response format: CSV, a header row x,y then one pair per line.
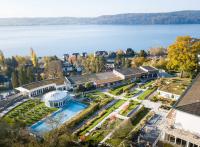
x,y
56,98
38,88
182,126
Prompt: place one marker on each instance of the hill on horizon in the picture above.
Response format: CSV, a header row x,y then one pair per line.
x,y
178,17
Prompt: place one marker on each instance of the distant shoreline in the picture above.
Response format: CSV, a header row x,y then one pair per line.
x,y
168,18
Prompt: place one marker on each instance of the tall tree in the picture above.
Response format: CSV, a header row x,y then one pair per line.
x,y
2,58
182,55
15,82
130,52
34,58
22,76
143,53
30,74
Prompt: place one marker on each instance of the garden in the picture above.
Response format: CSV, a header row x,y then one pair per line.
x,y
28,112
101,132
120,89
129,107
93,122
146,93
131,94
123,130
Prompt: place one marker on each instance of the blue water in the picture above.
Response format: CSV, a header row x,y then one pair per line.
x,y
58,118
60,39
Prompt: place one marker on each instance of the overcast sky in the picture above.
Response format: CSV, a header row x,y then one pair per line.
x,y
90,8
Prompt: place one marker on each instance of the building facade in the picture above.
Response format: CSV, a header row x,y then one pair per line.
x,y
182,126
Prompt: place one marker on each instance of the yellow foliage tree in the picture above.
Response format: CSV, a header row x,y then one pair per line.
x,y
34,58
183,54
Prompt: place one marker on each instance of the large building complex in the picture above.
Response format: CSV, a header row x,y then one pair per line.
x,y
182,126
115,77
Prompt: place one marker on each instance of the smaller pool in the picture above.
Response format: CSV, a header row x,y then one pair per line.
x,y
70,109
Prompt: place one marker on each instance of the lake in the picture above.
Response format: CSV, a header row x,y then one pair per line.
x,y
60,39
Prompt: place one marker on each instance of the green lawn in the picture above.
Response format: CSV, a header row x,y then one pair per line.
x,y
28,112
101,117
145,94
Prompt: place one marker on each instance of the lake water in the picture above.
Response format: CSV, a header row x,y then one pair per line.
x,y
58,118
60,39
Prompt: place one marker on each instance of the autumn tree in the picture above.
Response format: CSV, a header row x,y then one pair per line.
x,y
182,55
2,58
159,51
34,58
137,61
54,69
142,53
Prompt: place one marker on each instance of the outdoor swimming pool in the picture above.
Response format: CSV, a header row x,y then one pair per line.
x,y
58,118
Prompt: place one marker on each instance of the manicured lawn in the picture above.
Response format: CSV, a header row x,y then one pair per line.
x,y
145,94
29,112
121,89
101,117
131,94
126,127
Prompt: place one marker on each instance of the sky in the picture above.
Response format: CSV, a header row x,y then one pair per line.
x,y
90,8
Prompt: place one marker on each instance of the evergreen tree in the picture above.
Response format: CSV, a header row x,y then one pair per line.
x,y
15,82
22,76
30,74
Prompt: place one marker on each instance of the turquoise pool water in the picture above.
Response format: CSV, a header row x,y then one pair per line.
x,y
58,118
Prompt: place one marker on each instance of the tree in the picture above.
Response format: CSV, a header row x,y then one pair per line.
x,y
22,76
127,63
30,75
15,82
2,58
137,61
54,69
130,52
160,51
142,53
182,55
34,58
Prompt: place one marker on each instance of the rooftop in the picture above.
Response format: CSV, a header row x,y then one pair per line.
x,y
149,68
173,85
190,100
57,81
130,71
99,78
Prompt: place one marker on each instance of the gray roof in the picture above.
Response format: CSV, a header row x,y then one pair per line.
x,y
99,78
190,100
149,68
130,71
